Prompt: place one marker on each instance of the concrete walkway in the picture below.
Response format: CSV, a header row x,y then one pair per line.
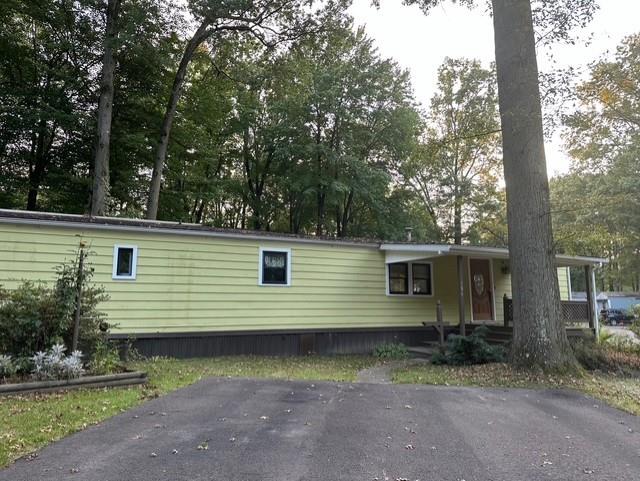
x,y
257,430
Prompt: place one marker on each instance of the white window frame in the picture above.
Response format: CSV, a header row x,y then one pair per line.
x,y
260,264
134,263
410,280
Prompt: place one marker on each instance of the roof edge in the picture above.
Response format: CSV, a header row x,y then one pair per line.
x,y
165,227
493,252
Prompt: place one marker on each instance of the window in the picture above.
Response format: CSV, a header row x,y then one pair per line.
x,y
399,278
125,259
409,279
421,279
275,267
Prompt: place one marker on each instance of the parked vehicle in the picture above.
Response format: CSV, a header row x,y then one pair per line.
x,y
614,317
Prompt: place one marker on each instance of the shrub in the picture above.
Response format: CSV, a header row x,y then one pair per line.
x,y
635,326
473,349
616,355
55,365
105,359
7,366
392,350
35,316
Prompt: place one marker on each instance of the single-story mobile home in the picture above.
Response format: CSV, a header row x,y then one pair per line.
x,y
192,290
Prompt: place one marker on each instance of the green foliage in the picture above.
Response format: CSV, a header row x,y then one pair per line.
x,y
7,367
36,316
456,171
33,317
473,349
603,138
635,327
616,354
392,350
105,358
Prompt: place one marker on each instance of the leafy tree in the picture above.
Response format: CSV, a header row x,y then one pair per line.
x,y
539,335
271,22
456,171
48,52
599,202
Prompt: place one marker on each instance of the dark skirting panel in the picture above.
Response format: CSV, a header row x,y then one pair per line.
x,y
280,343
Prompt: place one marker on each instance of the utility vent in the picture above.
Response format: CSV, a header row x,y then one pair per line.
x,y
408,231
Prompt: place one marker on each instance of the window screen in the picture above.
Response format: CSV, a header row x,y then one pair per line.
x,y
275,267
399,278
124,262
421,278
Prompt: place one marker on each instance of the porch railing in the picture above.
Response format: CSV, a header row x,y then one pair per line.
x,y
573,312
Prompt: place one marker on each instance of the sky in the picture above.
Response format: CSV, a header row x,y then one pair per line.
x,y
420,43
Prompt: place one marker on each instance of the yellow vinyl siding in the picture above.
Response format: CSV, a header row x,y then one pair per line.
x,y
196,283
563,282
502,285
204,283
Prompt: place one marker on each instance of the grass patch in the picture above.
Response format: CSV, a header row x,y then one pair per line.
x,y
30,422
620,391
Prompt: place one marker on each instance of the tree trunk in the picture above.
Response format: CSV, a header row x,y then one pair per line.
x,y
539,339
457,217
105,109
176,90
37,169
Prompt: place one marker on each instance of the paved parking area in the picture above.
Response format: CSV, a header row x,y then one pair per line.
x,y
249,430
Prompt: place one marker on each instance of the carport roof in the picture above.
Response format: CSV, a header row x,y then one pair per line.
x,y
409,252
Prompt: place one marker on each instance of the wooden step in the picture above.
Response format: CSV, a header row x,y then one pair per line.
x,y
422,351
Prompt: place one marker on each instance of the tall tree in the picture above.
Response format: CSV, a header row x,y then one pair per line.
x,y
105,109
271,22
46,85
539,336
457,169
603,138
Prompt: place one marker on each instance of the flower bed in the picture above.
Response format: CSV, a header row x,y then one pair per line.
x,y
109,380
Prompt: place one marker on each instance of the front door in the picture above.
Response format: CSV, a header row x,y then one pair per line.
x,y
481,289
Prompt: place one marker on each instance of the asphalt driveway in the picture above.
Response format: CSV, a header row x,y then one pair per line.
x,y
245,430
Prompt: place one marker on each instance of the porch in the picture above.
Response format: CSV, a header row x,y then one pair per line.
x,y
476,289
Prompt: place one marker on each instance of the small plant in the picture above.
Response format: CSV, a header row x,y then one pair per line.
x,y
605,336
473,349
55,365
635,325
105,359
391,350
7,367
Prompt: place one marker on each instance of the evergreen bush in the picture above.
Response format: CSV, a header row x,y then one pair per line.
x,y
473,349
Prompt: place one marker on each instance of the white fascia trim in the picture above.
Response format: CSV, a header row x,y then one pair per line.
x,y
562,260
134,263
432,248
287,251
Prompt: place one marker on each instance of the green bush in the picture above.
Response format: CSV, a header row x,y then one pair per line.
x,y
36,316
7,367
392,350
635,326
591,355
473,349
618,355
105,359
